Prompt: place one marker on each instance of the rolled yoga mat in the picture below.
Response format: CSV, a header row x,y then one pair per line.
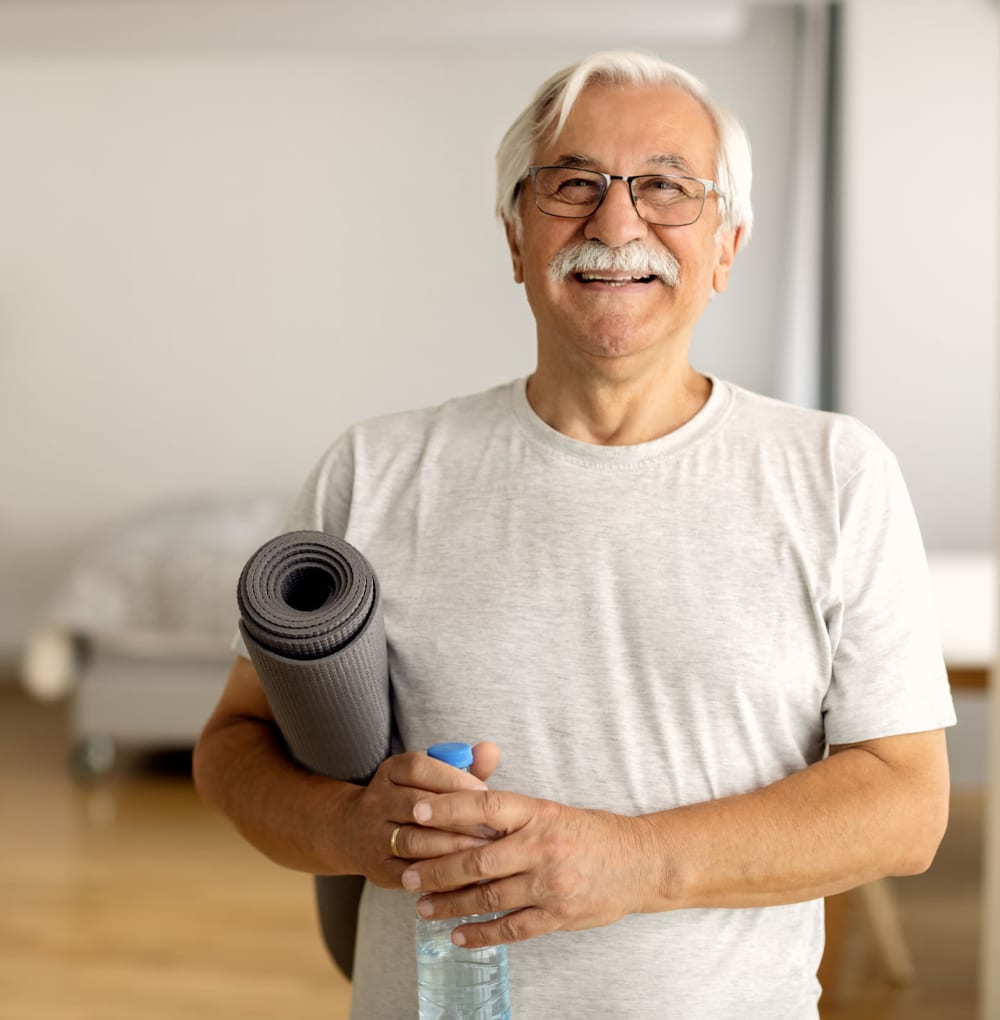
x,y
311,617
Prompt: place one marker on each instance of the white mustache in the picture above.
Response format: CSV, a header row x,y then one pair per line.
x,y
633,258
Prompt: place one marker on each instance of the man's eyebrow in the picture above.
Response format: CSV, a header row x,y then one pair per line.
x,y
671,160
667,160
575,159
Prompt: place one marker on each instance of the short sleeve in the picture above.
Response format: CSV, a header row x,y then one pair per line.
x,y
888,672
324,500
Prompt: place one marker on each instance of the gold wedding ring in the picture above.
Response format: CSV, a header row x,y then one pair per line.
x,y
392,842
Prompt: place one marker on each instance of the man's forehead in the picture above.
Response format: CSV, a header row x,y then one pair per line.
x,y
661,125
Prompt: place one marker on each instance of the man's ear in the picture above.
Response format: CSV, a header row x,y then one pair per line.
x,y
515,251
728,244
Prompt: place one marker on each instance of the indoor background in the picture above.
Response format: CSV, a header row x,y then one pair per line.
x,y
200,286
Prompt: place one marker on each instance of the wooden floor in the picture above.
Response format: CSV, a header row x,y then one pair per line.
x,y
128,901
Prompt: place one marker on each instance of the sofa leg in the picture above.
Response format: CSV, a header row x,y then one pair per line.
x,y
92,758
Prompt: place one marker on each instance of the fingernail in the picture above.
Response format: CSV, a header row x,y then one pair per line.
x,y
458,938
411,880
479,786
424,907
422,812
488,832
481,842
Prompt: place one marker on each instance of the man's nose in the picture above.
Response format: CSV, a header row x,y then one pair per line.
x,y
616,221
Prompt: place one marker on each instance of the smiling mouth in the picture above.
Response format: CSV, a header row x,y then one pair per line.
x,y
612,281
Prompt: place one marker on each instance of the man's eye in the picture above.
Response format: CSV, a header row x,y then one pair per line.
x,y
578,191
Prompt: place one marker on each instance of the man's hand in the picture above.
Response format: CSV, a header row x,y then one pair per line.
x,y
551,867
874,808
309,822
388,803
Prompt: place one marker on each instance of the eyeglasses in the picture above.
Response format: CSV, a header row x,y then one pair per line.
x,y
663,199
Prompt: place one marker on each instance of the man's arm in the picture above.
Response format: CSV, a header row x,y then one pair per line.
x,y
871,809
309,822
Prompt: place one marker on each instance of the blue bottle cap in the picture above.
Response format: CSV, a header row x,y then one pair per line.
x,y
452,752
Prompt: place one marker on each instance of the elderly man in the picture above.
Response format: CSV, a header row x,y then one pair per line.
x,y
695,620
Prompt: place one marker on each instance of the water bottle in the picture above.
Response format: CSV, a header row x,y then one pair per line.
x,y
455,983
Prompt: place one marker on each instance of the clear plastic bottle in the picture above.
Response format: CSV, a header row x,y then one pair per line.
x,y
455,983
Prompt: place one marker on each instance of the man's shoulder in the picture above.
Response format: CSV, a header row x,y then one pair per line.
x,y
386,450
831,436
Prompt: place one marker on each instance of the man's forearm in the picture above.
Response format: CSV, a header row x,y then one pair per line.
x,y
316,824
871,809
844,821
242,769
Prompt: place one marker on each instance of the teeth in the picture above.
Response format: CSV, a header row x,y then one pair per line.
x,y
614,281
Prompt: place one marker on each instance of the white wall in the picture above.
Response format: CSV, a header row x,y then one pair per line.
x,y
198,286
920,274
919,268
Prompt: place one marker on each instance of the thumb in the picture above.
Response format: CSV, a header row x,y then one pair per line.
x,y
485,758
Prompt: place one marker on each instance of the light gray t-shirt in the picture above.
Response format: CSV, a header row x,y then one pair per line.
x,y
638,628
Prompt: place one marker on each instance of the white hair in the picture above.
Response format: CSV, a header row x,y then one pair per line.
x,y
547,113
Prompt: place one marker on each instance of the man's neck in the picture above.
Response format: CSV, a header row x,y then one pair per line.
x,y
610,406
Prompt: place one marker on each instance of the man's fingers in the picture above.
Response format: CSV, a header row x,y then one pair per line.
x,y
491,860
414,842
495,897
515,926
554,868
492,809
422,772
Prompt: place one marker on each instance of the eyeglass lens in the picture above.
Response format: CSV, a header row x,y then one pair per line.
x,y
659,198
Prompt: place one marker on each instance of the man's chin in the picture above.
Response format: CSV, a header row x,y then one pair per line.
x,y
613,343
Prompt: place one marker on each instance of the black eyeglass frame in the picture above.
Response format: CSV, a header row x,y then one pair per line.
x,y
709,186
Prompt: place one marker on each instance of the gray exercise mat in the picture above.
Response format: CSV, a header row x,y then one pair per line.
x,y
311,617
